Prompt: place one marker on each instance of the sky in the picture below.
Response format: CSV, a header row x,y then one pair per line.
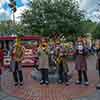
x,y
6,12
89,6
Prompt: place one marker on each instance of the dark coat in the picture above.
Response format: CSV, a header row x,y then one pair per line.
x,y
80,62
98,60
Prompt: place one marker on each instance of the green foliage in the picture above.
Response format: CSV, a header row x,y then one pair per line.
x,y
4,27
91,27
96,33
7,28
52,16
88,26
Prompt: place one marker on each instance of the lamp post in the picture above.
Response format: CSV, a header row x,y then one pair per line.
x,y
12,5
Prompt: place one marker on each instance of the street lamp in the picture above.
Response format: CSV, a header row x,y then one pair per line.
x,y
12,5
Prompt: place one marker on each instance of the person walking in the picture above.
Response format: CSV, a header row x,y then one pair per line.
x,y
59,62
43,63
62,66
1,62
16,59
81,63
98,64
66,68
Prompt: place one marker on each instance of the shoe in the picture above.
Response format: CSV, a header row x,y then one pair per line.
x,y
16,84
60,82
77,82
46,82
41,82
86,83
98,86
67,83
21,83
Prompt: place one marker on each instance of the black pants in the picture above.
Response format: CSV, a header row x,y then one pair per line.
x,y
17,74
44,74
99,67
84,73
99,72
65,77
61,72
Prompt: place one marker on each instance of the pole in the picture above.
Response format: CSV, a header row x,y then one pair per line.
x,y
13,18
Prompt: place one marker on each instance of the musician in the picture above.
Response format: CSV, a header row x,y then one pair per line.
x,y
98,64
1,62
43,63
81,63
16,59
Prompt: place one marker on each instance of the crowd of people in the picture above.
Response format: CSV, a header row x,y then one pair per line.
x,y
59,58
61,61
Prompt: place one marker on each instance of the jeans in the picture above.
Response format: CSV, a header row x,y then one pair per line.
x,y
18,77
66,77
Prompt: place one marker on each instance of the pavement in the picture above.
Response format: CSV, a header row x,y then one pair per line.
x,y
32,90
5,96
95,96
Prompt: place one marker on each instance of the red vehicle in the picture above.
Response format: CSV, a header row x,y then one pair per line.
x,y
30,44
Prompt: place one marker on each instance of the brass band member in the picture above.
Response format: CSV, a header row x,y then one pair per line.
x,y
98,63
43,63
81,63
17,57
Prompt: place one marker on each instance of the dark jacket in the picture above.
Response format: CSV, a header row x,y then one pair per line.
x,y
80,62
98,60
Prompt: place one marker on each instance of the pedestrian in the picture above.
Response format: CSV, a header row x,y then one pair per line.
x,y
1,62
62,66
98,64
81,63
16,59
59,62
43,63
36,59
66,68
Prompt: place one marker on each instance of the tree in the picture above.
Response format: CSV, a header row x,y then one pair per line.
x,y
7,29
96,32
4,27
91,27
52,16
88,26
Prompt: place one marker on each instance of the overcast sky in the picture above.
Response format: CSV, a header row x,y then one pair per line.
x,y
89,6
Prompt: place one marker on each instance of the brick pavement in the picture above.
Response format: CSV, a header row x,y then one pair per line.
x,y
32,90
